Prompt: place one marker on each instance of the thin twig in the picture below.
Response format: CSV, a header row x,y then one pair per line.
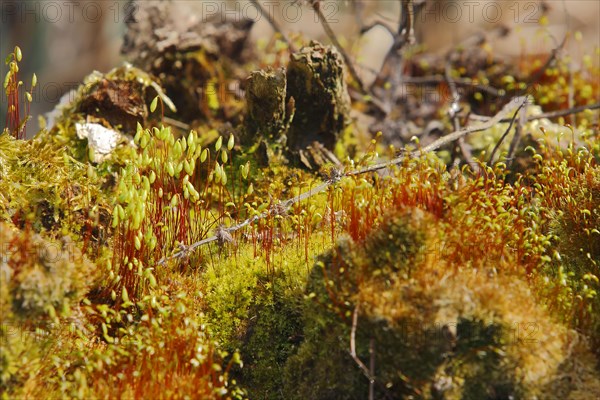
x,y
408,11
512,121
360,364
393,59
372,368
176,123
366,28
455,96
514,143
358,7
562,113
454,110
571,97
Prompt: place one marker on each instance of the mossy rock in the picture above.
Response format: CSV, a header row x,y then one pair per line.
x,y
572,197
271,337
42,277
436,333
42,186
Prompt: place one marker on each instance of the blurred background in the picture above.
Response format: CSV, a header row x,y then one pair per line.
x,y
62,41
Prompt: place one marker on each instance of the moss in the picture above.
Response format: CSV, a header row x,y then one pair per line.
x,y
22,353
569,191
258,314
435,333
272,336
168,352
42,284
49,191
394,247
452,284
43,277
449,310
322,367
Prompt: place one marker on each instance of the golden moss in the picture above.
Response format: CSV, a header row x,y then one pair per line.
x,y
458,284
42,283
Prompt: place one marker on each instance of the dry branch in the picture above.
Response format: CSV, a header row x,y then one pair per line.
x,y
286,204
512,121
522,119
463,82
516,102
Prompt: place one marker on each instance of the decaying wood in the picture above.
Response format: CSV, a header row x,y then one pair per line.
x,y
192,54
266,104
159,27
119,102
315,79
303,108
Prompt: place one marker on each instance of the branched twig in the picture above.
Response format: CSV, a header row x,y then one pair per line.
x,y
185,250
225,233
512,121
223,236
